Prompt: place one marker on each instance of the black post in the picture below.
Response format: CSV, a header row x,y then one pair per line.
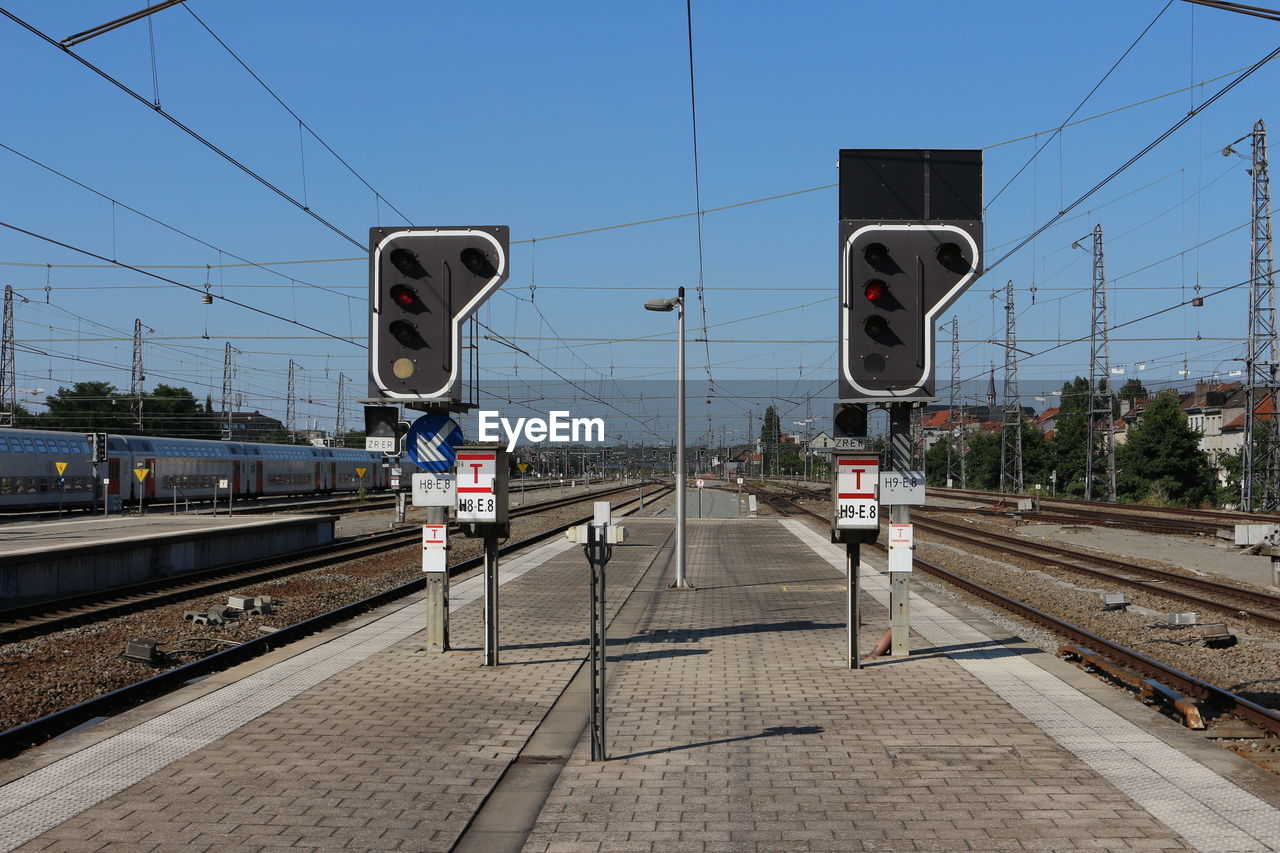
x,y
598,553
853,583
490,601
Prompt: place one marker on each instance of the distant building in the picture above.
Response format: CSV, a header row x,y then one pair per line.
x,y
252,426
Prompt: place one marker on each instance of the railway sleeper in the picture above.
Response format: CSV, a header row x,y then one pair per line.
x,y
1149,691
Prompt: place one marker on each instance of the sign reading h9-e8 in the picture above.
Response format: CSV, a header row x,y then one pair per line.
x,y
857,478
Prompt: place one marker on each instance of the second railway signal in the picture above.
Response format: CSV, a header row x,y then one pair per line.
x,y
424,283
910,245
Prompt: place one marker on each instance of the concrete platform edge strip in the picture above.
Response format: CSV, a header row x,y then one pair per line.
x,y
1210,812
508,814
59,791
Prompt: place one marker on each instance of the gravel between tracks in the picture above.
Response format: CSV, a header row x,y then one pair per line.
x,y
46,674
1250,669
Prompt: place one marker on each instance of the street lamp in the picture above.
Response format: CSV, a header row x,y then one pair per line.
x,y
677,305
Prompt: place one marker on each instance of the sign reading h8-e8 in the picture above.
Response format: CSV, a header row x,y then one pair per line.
x,y
856,504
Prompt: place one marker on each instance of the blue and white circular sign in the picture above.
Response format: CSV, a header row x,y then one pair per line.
x,y
431,442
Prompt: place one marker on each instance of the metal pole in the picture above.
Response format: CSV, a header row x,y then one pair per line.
x,y
438,591
681,580
853,584
490,601
899,582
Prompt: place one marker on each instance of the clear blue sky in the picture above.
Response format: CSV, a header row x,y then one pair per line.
x,y
559,117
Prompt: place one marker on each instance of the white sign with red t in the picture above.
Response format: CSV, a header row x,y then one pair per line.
x,y
856,504
477,482
435,543
901,542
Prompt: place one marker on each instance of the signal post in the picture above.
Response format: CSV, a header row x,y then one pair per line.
x,y
910,244
425,282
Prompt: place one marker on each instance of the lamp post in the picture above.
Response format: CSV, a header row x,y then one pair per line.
x,y
677,305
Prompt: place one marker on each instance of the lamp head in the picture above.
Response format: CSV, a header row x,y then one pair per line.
x,y
660,305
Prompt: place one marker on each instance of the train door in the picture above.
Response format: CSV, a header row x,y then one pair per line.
x,y
149,484
257,471
333,476
113,474
319,481
235,478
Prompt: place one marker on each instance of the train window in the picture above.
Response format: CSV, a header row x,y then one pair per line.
x,y
4,445
29,445
145,445
40,446
115,444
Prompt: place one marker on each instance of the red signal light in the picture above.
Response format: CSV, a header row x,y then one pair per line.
x,y
876,291
404,296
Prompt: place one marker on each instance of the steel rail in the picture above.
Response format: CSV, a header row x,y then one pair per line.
x,y
1219,698
22,737
1027,548
45,617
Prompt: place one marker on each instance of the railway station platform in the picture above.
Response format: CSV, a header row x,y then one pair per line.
x,y
55,559
734,724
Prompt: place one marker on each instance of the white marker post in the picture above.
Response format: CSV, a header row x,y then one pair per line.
x,y
436,493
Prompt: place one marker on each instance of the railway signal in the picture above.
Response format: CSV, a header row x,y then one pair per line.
x,y
424,283
910,245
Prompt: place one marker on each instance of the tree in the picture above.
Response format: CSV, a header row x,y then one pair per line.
x,y
1161,460
1068,445
1133,390
89,407
770,438
174,412
982,461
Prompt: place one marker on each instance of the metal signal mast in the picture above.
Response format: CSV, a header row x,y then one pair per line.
x,y
340,422
8,370
1011,428
226,393
291,405
138,375
955,421
1101,410
1260,482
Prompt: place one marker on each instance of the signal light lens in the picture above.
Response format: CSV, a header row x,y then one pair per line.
x,y
404,332
875,254
876,290
949,255
478,263
402,368
405,297
876,326
406,262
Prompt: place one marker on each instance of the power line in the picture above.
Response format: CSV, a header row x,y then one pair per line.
x,y
140,271
1136,157
301,123
1079,106
187,130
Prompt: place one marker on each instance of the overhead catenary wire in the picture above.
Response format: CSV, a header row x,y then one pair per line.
x,y
184,128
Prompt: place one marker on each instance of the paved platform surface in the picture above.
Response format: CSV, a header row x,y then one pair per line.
x,y
40,536
734,725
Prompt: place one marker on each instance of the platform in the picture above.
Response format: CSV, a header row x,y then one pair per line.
x,y
55,559
733,725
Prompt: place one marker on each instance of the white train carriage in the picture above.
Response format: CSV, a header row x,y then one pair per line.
x,y
41,469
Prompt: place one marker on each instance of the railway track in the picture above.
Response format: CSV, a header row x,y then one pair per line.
x,y
1241,602
46,617
1185,694
26,735
1176,520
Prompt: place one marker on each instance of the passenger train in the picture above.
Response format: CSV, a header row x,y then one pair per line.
x,y
45,469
